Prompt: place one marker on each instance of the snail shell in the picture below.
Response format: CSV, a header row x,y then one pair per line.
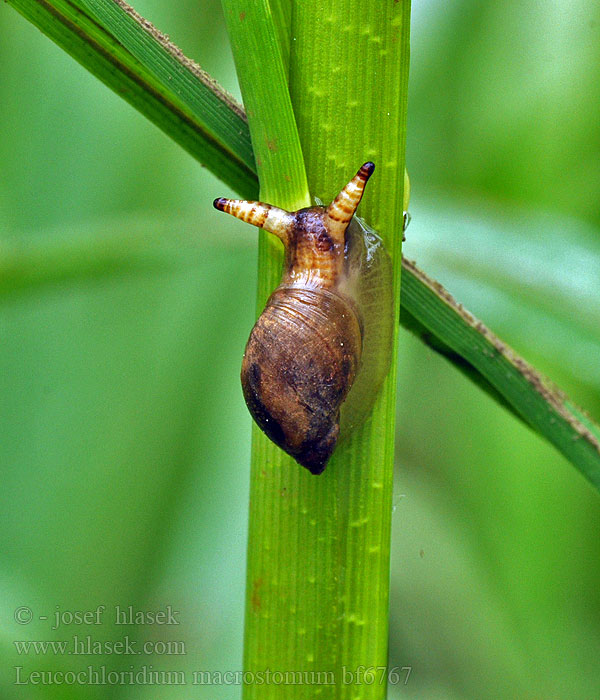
x,y
325,334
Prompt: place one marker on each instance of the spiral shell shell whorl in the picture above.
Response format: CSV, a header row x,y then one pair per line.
x,y
305,349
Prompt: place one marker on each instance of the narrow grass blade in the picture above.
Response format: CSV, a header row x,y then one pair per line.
x,y
262,75
141,65
542,405
533,276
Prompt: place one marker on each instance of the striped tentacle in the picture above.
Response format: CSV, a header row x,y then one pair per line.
x,y
342,209
272,219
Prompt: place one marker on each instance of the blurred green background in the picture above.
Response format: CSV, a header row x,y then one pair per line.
x,y
126,301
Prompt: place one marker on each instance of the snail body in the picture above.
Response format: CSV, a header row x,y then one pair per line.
x,y
325,334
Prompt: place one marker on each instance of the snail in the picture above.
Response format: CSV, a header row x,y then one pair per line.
x,y
321,348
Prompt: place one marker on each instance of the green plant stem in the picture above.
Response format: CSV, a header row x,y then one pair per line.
x,y
318,553
348,81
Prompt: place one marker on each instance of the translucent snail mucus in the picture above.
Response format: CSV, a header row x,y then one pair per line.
x,y
320,350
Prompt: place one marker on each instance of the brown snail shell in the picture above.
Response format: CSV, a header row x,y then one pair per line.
x,y
327,326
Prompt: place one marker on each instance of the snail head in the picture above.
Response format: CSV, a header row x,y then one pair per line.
x,y
314,237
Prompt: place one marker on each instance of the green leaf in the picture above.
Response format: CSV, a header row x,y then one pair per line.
x,y
262,77
139,63
447,325
531,276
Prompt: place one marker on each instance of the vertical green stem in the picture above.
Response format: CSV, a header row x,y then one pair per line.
x,y
318,551
348,83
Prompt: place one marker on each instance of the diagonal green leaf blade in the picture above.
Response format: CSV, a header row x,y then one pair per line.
x,y
192,88
543,406
139,64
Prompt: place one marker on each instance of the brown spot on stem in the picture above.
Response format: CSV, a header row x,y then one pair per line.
x,y
255,597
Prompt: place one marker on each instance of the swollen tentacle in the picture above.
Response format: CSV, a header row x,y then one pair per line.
x,y
272,219
342,209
